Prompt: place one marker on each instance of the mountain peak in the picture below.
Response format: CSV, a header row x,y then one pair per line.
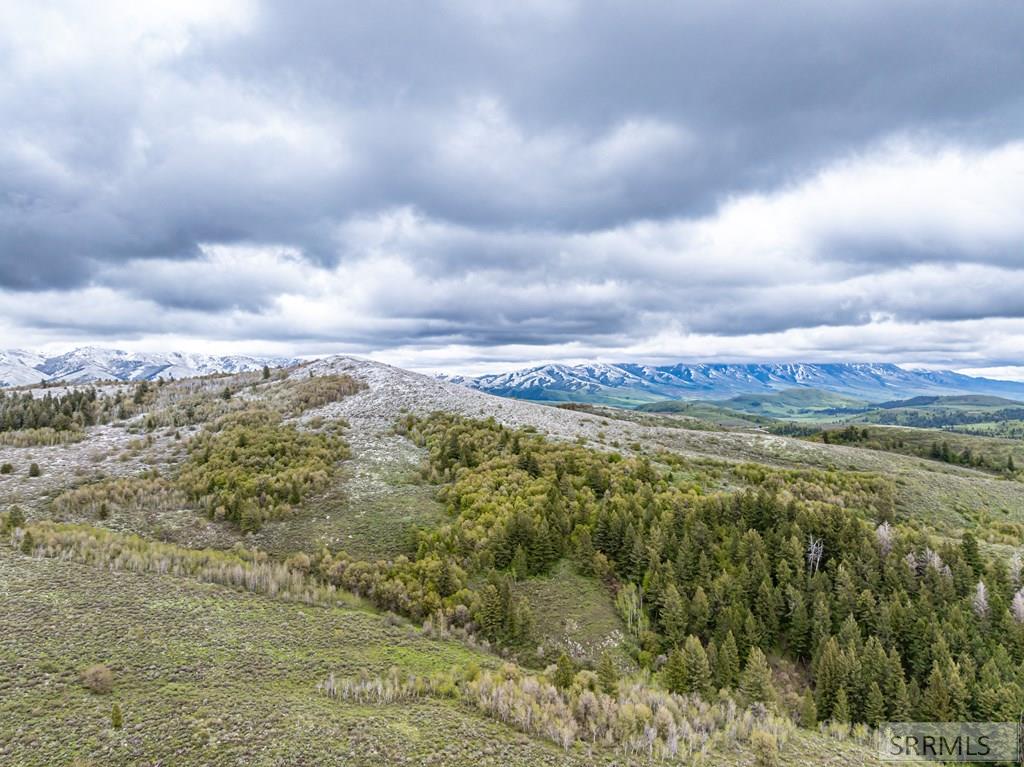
x,y
93,363
633,383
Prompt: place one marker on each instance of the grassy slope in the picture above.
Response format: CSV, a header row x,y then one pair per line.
x,y
573,613
210,676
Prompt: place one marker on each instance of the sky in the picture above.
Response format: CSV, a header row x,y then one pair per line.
x,y
474,186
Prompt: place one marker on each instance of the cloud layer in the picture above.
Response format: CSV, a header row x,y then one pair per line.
x,y
466,185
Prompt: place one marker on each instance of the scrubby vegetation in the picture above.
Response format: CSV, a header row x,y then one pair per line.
x,y
318,391
635,720
118,496
250,467
43,437
240,568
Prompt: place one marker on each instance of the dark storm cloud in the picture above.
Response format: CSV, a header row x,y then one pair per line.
x,y
485,174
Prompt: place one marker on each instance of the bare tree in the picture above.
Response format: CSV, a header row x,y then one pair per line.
x,y
980,601
815,551
884,537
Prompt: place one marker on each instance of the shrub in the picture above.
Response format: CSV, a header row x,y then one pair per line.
x,y
15,518
116,719
317,392
766,749
34,470
249,467
98,679
7,469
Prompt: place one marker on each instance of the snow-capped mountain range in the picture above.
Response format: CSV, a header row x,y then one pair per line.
x,y
625,383
87,364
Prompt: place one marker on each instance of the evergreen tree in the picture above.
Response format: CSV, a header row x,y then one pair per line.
x,y
874,707
607,674
798,632
697,670
830,677
936,701
519,567
700,612
673,616
727,669
808,711
673,676
565,672
841,708
970,552
116,719
756,681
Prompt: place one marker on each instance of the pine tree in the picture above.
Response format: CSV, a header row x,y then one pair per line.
x,y
767,611
519,567
673,676
944,697
727,670
673,616
830,675
841,709
971,553
116,719
695,662
874,707
700,612
798,632
565,672
756,681
808,711
608,674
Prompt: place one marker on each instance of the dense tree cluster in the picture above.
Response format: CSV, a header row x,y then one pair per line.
x,y
802,565
249,467
66,412
54,419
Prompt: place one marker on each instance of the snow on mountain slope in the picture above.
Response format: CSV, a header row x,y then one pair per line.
x,y
18,367
602,382
89,363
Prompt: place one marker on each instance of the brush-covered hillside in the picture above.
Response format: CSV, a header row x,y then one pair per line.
x,y
346,563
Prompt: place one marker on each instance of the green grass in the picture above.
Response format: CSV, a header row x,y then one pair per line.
x,y
573,613
206,675
210,676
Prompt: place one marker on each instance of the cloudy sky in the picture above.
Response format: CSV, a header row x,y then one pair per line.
x,y
474,185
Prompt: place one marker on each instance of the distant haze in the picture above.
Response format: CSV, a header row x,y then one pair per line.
x,y
473,186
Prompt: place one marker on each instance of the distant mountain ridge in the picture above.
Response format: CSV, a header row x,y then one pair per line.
x,y
631,384
90,363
